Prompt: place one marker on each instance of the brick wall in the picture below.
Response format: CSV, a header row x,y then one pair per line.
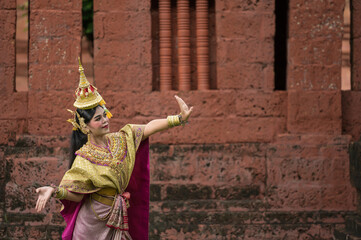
x,y
253,162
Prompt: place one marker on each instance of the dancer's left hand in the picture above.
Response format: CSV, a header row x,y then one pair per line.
x,y
185,110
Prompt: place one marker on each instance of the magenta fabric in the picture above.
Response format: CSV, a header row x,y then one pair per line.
x,y
138,187
70,213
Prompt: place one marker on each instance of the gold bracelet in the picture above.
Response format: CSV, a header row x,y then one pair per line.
x,y
61,193
173,121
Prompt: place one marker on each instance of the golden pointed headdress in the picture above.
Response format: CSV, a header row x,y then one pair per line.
x,y
87,95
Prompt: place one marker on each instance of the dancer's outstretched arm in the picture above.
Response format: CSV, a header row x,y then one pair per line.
x,y
158,125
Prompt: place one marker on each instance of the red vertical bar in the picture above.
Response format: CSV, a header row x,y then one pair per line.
x,y
165,45
184,58
202,44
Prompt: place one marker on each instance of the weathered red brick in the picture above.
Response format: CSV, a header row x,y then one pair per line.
x,y
132,77
294,197
7,86
245,51
74,5
250,103
313,23
39,106
237,75
244,5
54,77
7,49
54,51
114,5
321,51
314,112
11,4
16,105
58,126
134,25
7,24
356,65
314,77
9,128
351,116
123,52
235,24
338,197
55,24
356,19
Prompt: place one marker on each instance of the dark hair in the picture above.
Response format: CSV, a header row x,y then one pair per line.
x,y
78,138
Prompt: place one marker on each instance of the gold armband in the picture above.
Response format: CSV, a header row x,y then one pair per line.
x,y
60,192
173,121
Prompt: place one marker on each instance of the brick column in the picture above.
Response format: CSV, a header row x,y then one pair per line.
x,y
54,47
202,44
14,104
184,57
165,45
314,67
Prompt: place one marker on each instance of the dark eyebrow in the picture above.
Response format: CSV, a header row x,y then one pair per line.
x,y
97,116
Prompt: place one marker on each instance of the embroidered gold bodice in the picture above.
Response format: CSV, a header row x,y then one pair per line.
x,y
96,167
113,155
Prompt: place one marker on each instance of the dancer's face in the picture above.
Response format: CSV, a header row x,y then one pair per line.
x,y
99,124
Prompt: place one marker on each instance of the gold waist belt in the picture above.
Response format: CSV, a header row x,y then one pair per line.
x,y
105,196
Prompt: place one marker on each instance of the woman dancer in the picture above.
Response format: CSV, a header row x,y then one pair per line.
x,y
108,180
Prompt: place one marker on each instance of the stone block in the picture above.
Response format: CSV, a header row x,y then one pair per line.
x,y
261,104
247,129
294,197
314,112
338,197
356,19
320,51
21,194
16,232
236,75
314,5
314,77
7,48
9,128
54,126
55,77
132,77
314,23
54,51
7,73
122,53
234,24
351,116
7,25
8,5
74,5
235,164
245,5
356,65
245,51
15,104
134,25
114,5
40,108
55,24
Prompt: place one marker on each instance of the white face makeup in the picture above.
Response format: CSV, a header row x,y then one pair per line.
x,y
99,124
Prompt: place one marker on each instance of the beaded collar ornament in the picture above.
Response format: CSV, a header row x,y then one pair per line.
x,y
86,97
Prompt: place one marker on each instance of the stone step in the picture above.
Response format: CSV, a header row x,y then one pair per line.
x,y
343,234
